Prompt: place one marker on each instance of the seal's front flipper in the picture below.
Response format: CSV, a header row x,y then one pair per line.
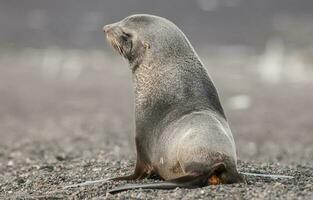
x,y
86,183
273,176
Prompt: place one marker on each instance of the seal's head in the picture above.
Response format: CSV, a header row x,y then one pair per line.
x,y
142,38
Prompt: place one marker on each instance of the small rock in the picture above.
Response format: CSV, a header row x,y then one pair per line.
x,y
20,180
10,163
61,157
49,168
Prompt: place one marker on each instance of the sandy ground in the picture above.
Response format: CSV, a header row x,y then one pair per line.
x,y
56,132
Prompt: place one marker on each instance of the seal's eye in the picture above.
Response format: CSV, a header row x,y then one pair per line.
x,y
125,36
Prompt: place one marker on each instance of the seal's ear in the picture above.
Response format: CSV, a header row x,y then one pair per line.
x,y
146,45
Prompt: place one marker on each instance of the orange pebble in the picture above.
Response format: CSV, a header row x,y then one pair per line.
x,y
214,180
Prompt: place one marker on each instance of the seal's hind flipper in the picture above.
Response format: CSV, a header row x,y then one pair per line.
x,y
188,181
162,185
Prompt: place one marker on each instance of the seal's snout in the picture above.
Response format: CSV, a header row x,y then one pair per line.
x,y
107,28
113,30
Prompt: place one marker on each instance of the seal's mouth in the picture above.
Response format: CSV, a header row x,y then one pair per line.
x,y
113,37
115,43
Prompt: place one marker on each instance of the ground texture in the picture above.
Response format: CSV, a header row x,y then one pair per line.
x,y
56,134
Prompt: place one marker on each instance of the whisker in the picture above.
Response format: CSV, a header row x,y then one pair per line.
x,y
115,44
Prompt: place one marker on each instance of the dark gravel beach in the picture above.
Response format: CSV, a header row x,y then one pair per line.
x,y
81,130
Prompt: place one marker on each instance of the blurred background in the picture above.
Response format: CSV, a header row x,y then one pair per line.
x,y
62,89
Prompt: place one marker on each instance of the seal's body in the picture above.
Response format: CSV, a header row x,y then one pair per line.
x,y
182,134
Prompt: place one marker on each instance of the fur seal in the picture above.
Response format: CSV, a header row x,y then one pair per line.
x,y
182,134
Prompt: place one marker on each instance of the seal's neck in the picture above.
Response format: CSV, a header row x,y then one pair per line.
x,y
151,73
161,87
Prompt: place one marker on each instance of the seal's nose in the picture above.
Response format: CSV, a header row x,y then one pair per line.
x,y
106,28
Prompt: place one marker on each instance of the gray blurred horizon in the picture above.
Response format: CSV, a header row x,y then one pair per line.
x,y
78,23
